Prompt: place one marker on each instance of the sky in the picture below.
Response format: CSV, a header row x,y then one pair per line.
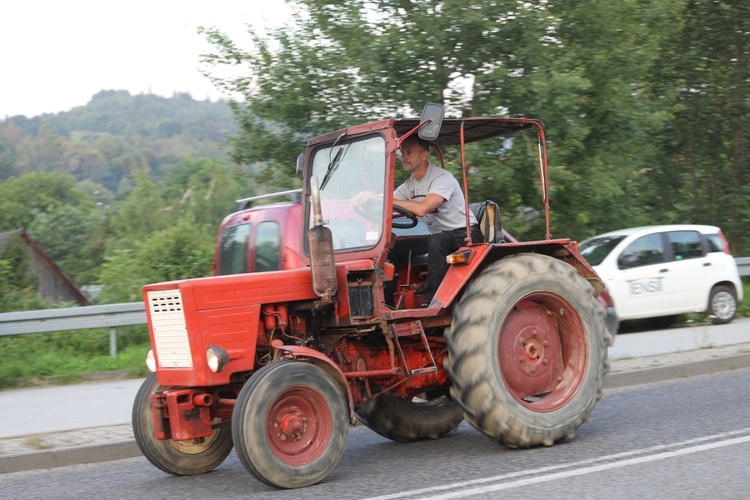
x,y
55,55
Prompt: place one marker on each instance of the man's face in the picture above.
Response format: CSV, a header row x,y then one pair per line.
x,y
412,156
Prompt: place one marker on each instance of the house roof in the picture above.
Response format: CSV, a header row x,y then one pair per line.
x,y
46,261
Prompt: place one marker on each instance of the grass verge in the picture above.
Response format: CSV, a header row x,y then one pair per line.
x,y
67,358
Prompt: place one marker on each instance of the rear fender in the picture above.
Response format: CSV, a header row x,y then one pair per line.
x,y
282,351
484,254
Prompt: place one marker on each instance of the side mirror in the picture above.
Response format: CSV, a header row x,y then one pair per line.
x,y
433,112
301,165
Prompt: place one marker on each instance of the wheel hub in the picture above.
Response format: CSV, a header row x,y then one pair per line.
x,y
533,349
298,426
723,305
291,425
530,352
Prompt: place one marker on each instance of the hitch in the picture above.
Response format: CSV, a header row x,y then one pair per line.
x,y
181,415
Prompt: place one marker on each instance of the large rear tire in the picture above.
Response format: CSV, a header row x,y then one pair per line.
x,y
290,424
402,419
181,458
527,351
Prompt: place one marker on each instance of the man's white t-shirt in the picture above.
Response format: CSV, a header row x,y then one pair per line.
x,y
450,214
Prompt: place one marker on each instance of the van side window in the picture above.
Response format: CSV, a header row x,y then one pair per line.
x,y
685,244
233,250
642,252
715,243
267,256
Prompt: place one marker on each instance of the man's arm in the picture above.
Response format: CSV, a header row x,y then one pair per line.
x,y
421,208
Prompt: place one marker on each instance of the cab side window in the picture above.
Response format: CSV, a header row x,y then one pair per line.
x,y
642,252
685,244
267,255
233,250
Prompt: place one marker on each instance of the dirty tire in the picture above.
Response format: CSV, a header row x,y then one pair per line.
x,y
527,351
402,419
722,305
181,458
290,424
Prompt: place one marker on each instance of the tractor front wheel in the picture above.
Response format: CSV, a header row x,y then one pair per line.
x,y
290,424
181,458
527,351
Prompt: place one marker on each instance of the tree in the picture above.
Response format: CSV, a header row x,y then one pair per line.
x,y
21,198
73,238
708,166
204,191
174,253
590,81
142,213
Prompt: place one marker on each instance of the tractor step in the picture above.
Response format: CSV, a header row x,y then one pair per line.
x,y
413,329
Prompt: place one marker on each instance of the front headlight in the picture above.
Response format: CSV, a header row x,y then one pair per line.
x,y
217,358
151,361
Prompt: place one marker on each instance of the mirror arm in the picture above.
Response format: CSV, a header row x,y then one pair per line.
x,y
411,132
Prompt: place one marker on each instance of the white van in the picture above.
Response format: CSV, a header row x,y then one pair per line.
x,y
664,271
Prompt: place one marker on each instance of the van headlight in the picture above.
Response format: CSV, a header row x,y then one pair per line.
x,y
217,358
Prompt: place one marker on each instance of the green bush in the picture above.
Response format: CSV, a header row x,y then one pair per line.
x,y
744,308
65,357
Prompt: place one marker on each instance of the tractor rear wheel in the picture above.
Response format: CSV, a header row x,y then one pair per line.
x,y
402,419
181,458
290,424
527,351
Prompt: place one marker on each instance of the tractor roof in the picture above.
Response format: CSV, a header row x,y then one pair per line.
x,y
475,129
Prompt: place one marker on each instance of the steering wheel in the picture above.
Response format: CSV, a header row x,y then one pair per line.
x,y
400,213
372,207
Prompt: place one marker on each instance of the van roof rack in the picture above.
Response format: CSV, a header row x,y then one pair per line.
x,y
248,202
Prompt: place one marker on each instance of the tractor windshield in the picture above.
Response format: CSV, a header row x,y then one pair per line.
x,y
346,169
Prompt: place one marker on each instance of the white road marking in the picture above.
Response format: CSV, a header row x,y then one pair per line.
x,y
582,467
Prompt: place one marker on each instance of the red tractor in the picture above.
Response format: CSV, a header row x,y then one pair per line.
x,y
312,321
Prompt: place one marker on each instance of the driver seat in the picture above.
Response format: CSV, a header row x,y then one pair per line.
x,y
490,224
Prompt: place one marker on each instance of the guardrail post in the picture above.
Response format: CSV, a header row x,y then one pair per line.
x,y
112,342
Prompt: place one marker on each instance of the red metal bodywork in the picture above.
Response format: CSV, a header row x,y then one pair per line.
x,y
370,342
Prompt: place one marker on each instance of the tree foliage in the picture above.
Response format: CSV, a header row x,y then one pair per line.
x,y
115,135
163,169
173,253
644,102
708,155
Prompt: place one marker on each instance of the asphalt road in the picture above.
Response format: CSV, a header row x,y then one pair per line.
x,y
685,438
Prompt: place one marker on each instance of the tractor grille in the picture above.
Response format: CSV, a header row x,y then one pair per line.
x,y
170,330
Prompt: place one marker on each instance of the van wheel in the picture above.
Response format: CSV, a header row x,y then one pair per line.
x,y
722,305
527,351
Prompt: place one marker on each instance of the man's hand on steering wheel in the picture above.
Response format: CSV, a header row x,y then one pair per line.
x,y
401,212
370,206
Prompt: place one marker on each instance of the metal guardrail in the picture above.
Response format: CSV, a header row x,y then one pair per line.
x,y
743,264
75,318
114,315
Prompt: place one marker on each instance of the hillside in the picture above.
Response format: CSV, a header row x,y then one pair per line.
x,y
114,134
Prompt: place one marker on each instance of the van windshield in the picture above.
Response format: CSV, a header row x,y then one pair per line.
x,y
596,249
